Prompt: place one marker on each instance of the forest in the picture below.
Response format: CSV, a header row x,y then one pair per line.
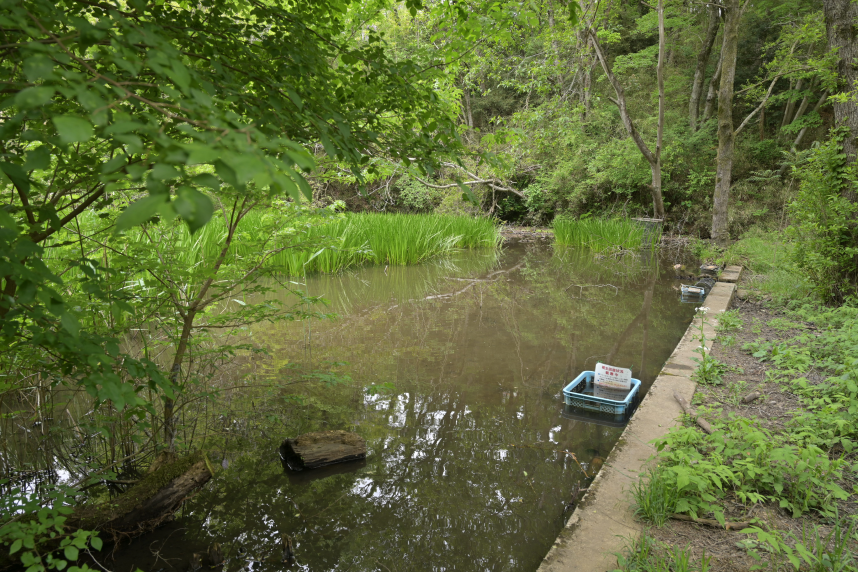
x,y
174,174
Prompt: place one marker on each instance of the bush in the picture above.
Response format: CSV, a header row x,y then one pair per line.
x,y
824,221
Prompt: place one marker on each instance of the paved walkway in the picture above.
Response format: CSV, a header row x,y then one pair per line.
x,y
603,521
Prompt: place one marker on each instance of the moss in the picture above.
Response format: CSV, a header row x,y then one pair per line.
x,y
92,516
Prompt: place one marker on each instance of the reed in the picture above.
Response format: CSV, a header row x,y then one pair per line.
x,y
360,238
599,234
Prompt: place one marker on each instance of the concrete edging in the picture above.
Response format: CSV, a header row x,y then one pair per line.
x,y
603,521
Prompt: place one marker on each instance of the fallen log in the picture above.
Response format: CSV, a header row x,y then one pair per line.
x,y
702,423
754,395
149,503
143,507
711,522
314,450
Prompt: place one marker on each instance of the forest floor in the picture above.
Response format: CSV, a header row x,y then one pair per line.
x,y
757,324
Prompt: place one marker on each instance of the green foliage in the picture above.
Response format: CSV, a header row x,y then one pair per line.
x,y
752,464
728,321
814,551
599,234
824,229
710,370
648,555
38,535
655,497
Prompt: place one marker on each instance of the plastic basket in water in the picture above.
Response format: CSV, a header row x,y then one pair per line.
x,y
584,382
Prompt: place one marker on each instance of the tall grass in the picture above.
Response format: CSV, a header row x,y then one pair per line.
x,y
600,234
359,238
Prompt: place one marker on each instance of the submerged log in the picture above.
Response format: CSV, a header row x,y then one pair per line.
x,y
314,450
150,502
143,507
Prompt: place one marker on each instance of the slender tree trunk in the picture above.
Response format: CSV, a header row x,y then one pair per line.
x,y
804,103
724,169
702,62
763,124
555,45
803,131
790,106
712,93
840,23
469,116
654,159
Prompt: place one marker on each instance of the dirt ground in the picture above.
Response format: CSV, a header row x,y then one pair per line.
x,y
774,408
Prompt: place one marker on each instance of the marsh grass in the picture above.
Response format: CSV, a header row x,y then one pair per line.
x,y
373,238
599,234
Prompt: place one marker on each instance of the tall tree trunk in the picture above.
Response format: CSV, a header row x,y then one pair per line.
x,y
840,23
803,131
763,124
702,62
724,169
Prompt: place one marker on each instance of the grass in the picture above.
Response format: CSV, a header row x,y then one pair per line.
x,y
655,497
649,555
767,259
372,238
599,234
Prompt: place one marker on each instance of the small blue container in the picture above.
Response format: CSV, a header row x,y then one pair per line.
x,y
579,393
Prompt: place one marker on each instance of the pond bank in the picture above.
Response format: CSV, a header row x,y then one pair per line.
x,y
602,521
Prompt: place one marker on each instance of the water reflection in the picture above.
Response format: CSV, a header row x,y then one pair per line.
x,y
472,457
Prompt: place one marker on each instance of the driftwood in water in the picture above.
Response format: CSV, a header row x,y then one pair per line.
x,y
313,450
150,502
702,423
144,506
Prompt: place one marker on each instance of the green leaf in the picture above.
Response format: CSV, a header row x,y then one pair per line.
x,y
96,542
71,553
17,175
38,67
38,159
16,546
194,207
207,180
70,324
8,221
72,129
34,97
140,211
164,172
113,165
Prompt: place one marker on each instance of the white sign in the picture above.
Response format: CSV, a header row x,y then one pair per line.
x,y
611,377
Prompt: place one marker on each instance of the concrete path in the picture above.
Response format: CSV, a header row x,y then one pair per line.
x,y
603,521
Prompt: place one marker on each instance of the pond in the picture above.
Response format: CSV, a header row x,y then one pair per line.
x,y
456,369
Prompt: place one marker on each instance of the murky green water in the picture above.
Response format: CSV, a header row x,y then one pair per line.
x,y
471,457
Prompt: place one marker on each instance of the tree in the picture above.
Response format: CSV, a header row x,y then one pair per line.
x,y
713,24
841,22
726,135
653,158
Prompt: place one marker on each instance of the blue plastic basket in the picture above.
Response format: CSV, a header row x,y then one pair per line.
x,y
584,382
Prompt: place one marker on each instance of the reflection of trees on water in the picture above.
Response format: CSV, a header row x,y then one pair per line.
x,y
466,466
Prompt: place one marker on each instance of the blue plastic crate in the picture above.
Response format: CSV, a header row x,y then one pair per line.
x,y
584,382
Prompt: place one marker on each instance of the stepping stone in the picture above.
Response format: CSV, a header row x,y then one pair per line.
x,y
730,274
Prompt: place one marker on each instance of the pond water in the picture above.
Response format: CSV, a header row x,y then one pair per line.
x,y
472,457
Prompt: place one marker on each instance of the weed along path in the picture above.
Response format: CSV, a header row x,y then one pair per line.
x,y
603,522
451,372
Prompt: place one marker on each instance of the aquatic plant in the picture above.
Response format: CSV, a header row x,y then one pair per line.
x,y
375,238
601,234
